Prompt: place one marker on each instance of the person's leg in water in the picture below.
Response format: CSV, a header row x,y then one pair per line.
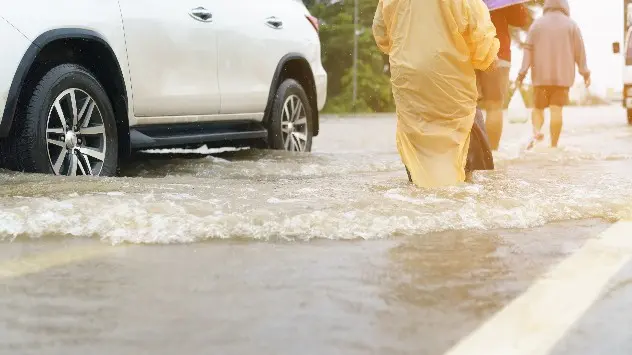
x,y
494,123
469,175
493,87
537,120
541,101
559,99
556,125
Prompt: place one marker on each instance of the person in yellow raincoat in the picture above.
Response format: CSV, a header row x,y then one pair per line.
x,y
434,48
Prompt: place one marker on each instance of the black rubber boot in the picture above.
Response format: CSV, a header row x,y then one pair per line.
x,y
479,156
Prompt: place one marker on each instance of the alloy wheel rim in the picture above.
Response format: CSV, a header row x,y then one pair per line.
x,y
75,134
294,128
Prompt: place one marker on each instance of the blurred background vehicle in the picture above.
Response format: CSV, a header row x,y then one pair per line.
x,y
627,61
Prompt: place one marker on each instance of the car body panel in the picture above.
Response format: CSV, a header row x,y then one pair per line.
x,y
173,58
183,70
9,63
74,14
305,40
312,52
250,49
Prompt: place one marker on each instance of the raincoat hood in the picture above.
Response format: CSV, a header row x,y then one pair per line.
x,y
557,5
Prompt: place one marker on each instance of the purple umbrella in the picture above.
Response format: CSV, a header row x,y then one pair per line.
x,y
499,4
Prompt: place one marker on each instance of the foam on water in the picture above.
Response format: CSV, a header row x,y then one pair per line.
x,y
347,194
380,205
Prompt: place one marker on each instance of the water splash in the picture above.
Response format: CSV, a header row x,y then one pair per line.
x,y
347,194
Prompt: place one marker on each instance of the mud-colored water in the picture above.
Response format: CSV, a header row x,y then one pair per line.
x,y
351,186
435,265
416,295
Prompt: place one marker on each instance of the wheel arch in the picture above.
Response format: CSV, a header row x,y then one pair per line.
x,y
295,66
70,45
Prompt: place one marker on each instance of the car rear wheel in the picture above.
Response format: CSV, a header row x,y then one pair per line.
x,y
68,127
290,126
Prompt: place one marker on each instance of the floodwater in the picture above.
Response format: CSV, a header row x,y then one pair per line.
x,y
352,186
254,252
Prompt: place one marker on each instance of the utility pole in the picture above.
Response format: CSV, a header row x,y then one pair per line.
x,y
355,52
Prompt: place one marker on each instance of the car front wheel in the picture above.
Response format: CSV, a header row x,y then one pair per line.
x,y
69,126
290,126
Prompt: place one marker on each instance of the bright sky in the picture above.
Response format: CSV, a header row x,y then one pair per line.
x,y
601,23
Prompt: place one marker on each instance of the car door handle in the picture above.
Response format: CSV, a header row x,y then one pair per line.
x,y
201,14
274,22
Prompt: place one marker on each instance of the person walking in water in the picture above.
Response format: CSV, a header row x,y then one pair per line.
x,y
434,48
494,84
554,46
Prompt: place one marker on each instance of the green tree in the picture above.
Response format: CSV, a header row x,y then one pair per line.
x,y
336,33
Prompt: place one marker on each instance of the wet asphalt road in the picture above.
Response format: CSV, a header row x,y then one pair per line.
x,y
328,253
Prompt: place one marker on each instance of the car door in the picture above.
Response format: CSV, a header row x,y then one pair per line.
x,y
250,46
172,50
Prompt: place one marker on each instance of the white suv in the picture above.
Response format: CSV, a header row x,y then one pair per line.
x,y
83,83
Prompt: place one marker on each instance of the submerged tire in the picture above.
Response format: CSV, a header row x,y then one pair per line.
x,y
68,127
290,126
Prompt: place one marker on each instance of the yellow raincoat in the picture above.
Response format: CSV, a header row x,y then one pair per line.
x,y
434,47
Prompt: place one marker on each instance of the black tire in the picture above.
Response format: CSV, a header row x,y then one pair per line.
x,y
629,111
288,88
28,147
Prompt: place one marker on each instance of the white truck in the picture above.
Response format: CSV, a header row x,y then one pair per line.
x,y
627,57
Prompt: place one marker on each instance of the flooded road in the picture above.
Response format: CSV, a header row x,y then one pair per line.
x,y
256,252
352,186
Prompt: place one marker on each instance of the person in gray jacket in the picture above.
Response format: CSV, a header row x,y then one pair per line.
x,y
554,46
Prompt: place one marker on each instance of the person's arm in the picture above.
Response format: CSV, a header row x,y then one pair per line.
x,y
527,55
518,16
379,31
580,55
474,23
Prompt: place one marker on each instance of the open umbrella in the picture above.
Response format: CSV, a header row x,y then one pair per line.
x,y
499,4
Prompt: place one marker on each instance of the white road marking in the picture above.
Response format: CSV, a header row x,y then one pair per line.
x,y
534,322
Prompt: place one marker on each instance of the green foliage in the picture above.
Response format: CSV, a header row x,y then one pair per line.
x,y
336,34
